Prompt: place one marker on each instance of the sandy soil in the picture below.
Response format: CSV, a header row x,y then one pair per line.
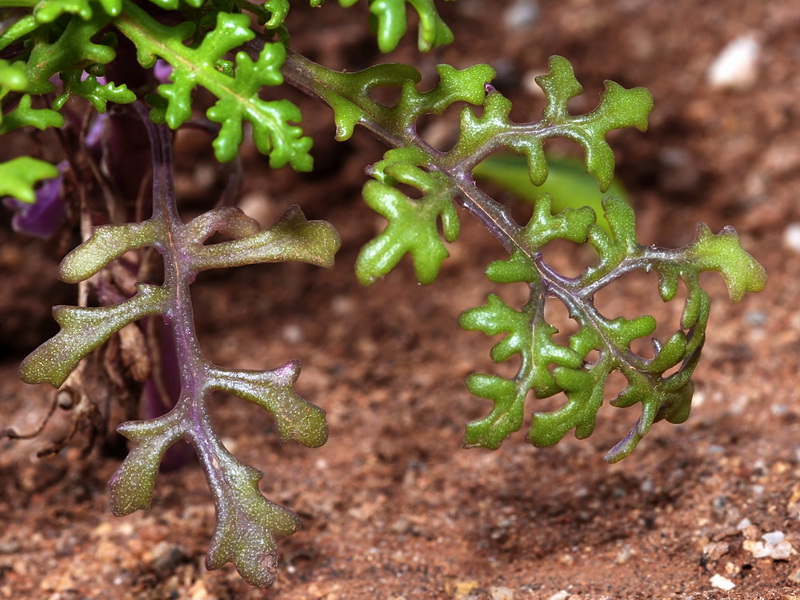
x,y
392,507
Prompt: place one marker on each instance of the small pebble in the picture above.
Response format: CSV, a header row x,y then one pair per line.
x,y
713,551
520,15
460,590
562,595
502,593
722,583
791,237
779,409
774,546
773,537
624,555
166,557
293,334
736,67
732,568
758,318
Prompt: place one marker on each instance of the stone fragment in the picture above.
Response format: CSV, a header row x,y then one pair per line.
x,y
713,551
736,66
774,546
501,593
791,237
722,583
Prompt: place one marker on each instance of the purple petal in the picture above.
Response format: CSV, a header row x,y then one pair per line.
x,y
46,214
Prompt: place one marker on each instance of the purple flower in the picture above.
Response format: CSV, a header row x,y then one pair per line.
x,y
162,71
46,214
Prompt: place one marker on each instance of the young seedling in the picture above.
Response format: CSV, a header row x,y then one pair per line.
x,y
54,50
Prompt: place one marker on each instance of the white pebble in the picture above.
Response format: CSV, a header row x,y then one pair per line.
x,y
293,333
698,398
774,546
773,537
736,67
502,593
722,583
521,14
791,237
562,595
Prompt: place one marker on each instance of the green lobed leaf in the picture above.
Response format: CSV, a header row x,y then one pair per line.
x,y
86,86
571,224
83,330
297,420
661,384
619,107
517,269
47,11
723,253
24,115
237,94
413,224
466,85
108,242
506,416
247,522
18,30
546,367
12,77
72,50
292,238
18,177
271,132
497,317
492,130
131,487
279,10
391,24
349,94
584,392
529,336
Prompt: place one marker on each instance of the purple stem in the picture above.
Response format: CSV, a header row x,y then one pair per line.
x,y
193,368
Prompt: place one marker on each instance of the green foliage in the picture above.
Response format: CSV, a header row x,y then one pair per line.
x,y
238,95
19,175
566,184
349,94
548,368
73,50
238,52
618,108
413,223
13,78
247,523
390,23
70,39
83,330
47,11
